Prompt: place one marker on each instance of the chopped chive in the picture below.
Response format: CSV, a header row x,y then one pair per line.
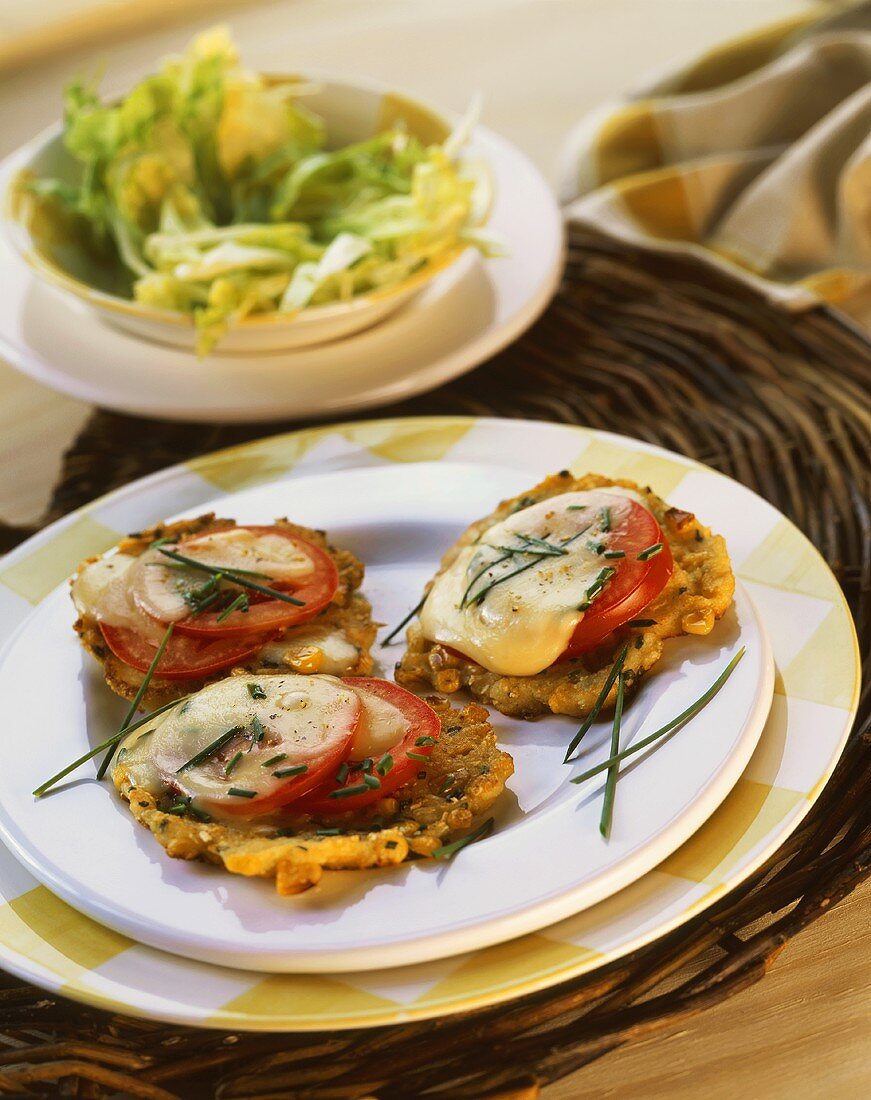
x,y
201,597
186,805
231,764
616,669
482,592
328,832
372,781
274,760
427,740
237,576
650,552
596,587
605,575
417,756
577,507
596,547
669,727
605,516
366,765
297,769
404,622
539,556
165,541
611,782
342,773
199,606
239,604
256,731
384,764
614,554
491,565
448,850
256,691
346,792
642,622
509,551
209,750
137,699
238,792
193,563
545,546
113,740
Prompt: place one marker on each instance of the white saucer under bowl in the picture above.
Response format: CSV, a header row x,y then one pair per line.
x,y
466,314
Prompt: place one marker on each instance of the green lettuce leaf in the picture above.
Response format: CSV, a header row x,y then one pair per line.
x,y
217,191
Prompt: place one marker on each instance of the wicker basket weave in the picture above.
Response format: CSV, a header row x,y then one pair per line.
x,y
668,352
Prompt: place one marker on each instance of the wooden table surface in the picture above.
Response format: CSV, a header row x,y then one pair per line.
x,y
804,1031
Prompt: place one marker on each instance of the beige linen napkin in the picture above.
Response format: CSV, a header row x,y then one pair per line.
x,y
756,158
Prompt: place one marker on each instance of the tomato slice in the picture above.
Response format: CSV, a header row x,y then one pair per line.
x,y
635,583
316,589
318,772
245,745
296,787
424,729
184,658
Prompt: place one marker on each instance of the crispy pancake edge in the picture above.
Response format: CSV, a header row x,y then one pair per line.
x,y
465,775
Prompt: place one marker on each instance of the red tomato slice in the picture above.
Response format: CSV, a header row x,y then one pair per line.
x,y
298,786
423,732
315,590
635,583
184,658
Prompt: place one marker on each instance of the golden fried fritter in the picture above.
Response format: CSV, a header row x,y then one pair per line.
x,y
699,592
349,614
464,776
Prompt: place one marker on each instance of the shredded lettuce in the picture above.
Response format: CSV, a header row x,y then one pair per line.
x,y
218,193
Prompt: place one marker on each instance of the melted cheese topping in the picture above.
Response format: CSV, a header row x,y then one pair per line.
x,y
160,585
317,648
381,726
91,582
275,556
523,623
299,719
102,590
136,755
118,588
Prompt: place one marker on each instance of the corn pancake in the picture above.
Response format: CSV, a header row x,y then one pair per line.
x,y
699,592
464,776
349,615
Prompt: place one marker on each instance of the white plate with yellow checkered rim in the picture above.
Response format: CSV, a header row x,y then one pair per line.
x,y
811,633
398,518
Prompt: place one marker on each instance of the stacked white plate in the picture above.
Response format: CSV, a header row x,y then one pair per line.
x,y
545,897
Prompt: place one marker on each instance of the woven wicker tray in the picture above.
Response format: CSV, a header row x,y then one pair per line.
x,y
668,352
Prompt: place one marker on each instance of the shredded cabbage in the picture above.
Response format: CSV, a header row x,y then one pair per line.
x,y
217,192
